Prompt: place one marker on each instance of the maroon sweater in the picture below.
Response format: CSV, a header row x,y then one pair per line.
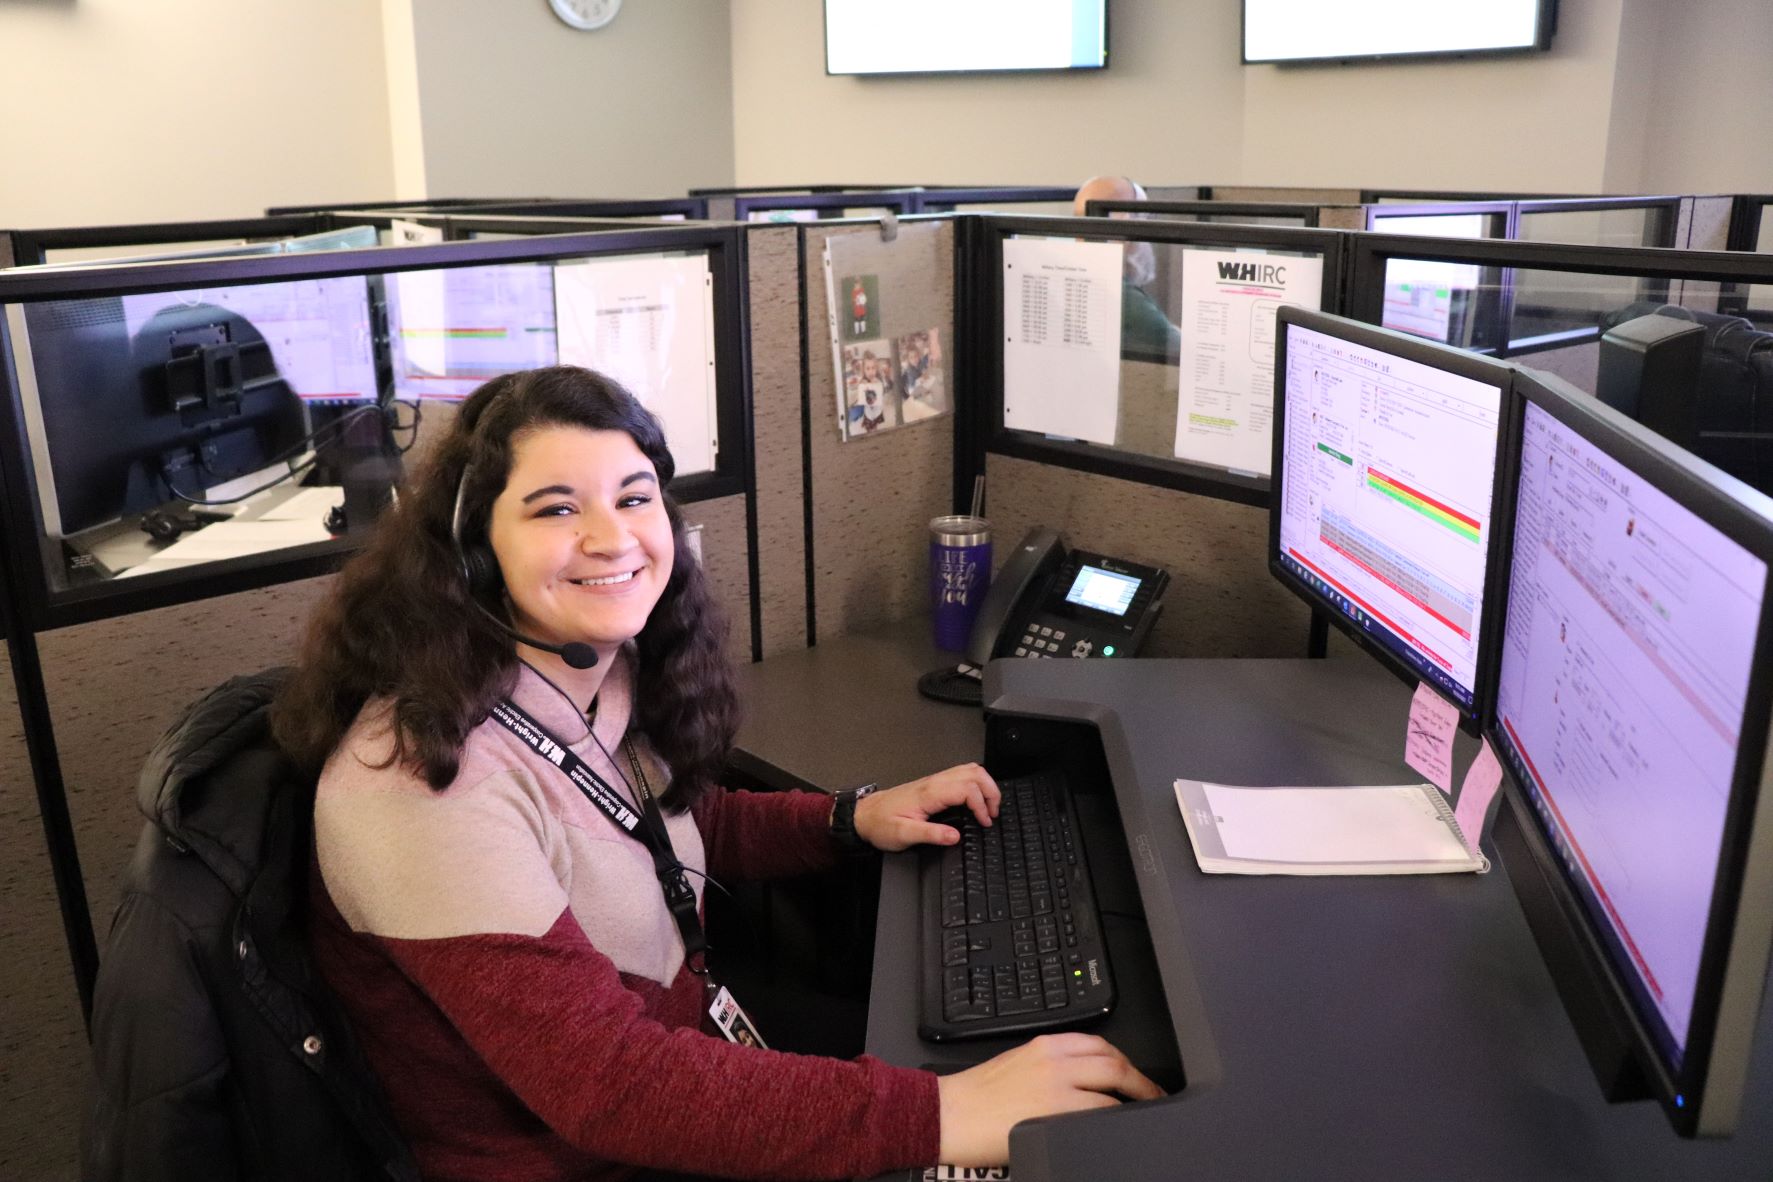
x,y
519,985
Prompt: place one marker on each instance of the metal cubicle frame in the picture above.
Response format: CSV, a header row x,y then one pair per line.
x,y
980,431
1221,212
31,247
1369,254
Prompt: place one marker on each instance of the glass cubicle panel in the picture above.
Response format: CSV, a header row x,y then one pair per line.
x,y
1146,348
1631,222
1659,334
1210,212
812,207
256,411
74,245
1596,224
1757,299
1040,200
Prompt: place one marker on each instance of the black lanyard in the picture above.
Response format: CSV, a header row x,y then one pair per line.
x,y
646,827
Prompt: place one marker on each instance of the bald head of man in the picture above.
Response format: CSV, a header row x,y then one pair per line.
x,y
1106,188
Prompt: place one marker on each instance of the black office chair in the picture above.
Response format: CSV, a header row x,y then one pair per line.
x,y
218,1053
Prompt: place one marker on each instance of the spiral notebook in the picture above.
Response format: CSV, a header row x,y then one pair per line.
x,y
1368,829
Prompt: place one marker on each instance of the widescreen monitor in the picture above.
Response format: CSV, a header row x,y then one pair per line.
x,y
942,36
1340,30
1632,710
1385,486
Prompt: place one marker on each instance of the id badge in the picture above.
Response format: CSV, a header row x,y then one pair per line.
x,y
734,1022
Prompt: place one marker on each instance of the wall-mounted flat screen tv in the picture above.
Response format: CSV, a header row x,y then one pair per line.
x,y
1356,30
964,36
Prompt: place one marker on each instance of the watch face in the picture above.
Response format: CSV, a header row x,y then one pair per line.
x,y
586,14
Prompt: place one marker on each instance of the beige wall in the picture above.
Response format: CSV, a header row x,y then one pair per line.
x,y
1166,110
516,103
1537,123
176,110
1635,95
1708,97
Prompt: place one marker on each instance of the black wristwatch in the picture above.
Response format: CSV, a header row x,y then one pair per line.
x,y
843,820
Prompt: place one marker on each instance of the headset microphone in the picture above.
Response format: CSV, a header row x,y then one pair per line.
x,y
576,654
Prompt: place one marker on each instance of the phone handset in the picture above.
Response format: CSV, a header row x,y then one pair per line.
x,y
1018,585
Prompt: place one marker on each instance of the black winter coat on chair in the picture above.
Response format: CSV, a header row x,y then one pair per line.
x,y
218,1053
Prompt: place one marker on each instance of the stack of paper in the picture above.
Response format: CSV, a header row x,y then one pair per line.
x,y
1383,829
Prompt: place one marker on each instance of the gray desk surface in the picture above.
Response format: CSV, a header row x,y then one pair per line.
x,y
1396,1028
847,712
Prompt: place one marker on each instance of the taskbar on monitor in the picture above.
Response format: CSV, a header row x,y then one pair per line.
x,y
1375,624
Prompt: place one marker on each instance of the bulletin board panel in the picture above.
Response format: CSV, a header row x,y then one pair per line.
x,y
872,492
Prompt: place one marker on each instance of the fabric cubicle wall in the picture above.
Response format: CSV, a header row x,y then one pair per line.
x,y
872,499
772,254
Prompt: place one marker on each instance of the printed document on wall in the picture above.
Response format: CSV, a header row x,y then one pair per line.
x,y
1226,398
648,322
1061,353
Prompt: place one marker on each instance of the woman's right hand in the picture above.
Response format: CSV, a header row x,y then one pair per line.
x,y
1051,1074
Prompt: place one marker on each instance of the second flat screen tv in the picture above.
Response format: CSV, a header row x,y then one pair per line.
x,y
1353,30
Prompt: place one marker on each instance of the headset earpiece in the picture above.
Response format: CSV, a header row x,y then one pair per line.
x,y
478,564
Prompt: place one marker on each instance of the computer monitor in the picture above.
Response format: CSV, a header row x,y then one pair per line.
x,y
1632,705
1385,482
143,399
455,328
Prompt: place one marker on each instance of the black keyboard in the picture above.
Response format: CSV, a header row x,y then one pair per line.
x,y
1011,939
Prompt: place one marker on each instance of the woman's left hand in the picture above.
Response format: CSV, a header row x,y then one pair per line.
x,y
898,818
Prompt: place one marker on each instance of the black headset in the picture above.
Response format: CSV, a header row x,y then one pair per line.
x,y
476,560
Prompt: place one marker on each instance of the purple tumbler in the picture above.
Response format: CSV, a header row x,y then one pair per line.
x,y
960,571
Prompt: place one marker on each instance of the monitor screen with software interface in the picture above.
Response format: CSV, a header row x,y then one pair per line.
x,y
1636,601
1385,477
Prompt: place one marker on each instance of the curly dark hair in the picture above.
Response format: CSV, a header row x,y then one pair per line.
x,y
399,624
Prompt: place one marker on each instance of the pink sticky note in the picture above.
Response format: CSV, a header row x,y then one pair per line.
x,y
1428,743
1482,779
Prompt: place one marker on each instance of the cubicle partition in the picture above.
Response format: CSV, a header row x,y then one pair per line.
x,y
1157,451
1290,194
1553,306
93,594
871,490
416,203
1042,199
812,207
662,209
1243,213
28,248
1750,227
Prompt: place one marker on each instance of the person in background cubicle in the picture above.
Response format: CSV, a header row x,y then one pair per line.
x,y
1145,331
518,703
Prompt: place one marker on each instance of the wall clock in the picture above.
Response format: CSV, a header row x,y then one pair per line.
x,y
586,14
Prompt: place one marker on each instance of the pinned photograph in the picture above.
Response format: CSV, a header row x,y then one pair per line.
x,y
870,389
858,307
923,382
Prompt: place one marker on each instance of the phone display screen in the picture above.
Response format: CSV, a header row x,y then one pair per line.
x,y
1102,590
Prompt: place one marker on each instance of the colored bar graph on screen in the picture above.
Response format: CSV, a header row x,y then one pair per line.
x,y
1461,524
455,334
